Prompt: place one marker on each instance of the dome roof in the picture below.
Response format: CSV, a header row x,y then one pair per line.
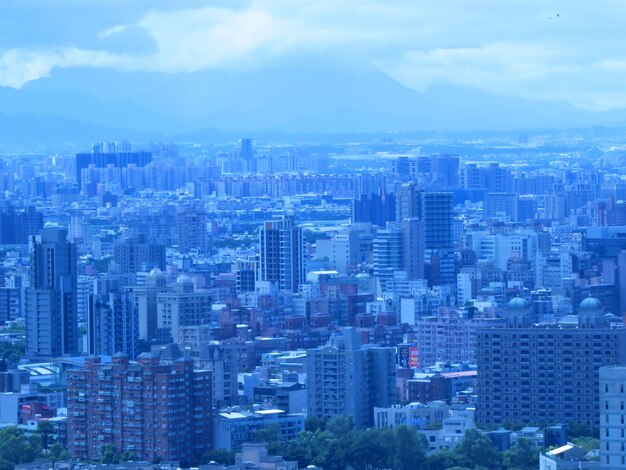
x,y
590,303
155,272
518,303
183,279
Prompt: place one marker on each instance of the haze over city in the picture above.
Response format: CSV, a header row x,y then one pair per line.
x,y
330,235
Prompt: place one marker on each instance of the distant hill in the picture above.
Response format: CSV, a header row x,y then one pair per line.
x,y
82,104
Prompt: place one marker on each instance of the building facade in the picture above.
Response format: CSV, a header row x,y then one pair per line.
x,y
155,411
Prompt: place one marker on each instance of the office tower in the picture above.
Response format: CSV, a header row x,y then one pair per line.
x,y
50,300
546,373
503,206
16,225
445,170
112,323
191,228
182,307
408,201
613,417
155,411
526,208
436,216
145,299
101,157
387,254
136,254
413,248
376,209
346,378
28,221
401,168
246,149
281,256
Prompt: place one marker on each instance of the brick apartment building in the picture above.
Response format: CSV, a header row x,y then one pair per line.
x,y
156,411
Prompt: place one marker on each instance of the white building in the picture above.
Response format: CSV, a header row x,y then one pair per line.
x,y
613,417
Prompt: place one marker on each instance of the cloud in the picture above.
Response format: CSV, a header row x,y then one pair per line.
x,y
519,47
112,31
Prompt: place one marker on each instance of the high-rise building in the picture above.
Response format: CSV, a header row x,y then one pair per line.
x,y
145,299
613,417
501,206
221,360
50,300
346,378
536,373
136,254
112,323
155,411
281,256
387,254
191,227
377,209
400,247
436,216
102,156
182,307
16,225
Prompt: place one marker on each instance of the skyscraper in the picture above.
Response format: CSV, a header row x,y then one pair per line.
x,y
112,322
436,215
281,253
50,300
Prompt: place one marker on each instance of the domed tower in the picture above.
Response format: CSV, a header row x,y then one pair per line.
x,y
155,278
519,313
184,284
590,312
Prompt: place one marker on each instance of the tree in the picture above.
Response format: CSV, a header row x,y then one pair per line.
x,y
478,451
109,454
409,449
271,436
444,460
522,455
221,456
340,426
15,447
46,431
58,452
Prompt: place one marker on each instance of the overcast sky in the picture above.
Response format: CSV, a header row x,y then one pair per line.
x,y
573,50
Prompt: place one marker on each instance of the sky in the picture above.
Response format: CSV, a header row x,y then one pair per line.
x,y
569,50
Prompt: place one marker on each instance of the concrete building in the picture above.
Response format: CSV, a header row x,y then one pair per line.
x,y
136,254
112,323
337,370
281,255
419,415
613,417
152,410
182,307
501,206
50,300
534,373
145,299
234,427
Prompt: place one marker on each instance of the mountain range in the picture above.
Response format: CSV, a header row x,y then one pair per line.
x,y
85,104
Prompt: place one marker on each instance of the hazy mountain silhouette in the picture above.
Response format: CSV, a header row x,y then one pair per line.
x,y
313,98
